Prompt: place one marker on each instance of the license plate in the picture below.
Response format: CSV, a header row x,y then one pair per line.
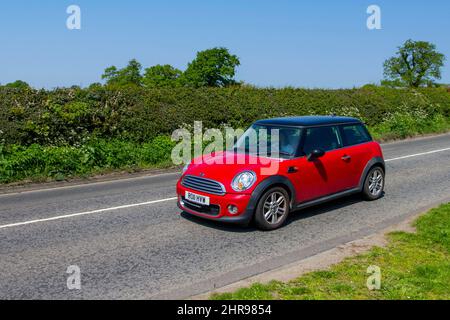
x,y
197,198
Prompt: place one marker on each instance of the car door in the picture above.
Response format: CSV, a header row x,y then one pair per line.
x,y
322,176
356,139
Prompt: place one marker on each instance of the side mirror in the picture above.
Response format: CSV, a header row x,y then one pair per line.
x,y
315,154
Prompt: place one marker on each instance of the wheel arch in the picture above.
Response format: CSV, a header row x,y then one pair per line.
x,y
376,161
268,183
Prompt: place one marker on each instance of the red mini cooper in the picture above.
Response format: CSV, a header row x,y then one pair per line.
x,y
316,159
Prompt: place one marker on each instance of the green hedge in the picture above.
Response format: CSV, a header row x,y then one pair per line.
x,y
59,162
75,116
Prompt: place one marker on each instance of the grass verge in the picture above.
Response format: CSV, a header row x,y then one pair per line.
x,y
413,266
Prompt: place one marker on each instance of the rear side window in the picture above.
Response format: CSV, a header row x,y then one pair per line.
x,y
355,134
325,138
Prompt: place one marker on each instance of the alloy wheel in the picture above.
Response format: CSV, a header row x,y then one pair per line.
x,y
376,182
275,207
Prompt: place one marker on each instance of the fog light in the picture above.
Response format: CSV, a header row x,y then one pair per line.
x,y
232,209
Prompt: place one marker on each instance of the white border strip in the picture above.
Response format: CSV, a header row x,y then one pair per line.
x,y
92,183
417,155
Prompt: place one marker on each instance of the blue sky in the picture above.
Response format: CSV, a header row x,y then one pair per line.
x,y
297,43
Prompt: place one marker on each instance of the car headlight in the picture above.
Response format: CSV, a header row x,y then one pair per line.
x,y
186,167
243,181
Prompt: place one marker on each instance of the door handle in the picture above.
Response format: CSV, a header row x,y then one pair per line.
x,y
292,170
346,157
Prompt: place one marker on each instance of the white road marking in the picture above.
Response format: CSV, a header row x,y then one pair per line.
x,y
417,155
85,213
162,200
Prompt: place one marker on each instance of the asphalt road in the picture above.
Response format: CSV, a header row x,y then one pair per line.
x,y
130,241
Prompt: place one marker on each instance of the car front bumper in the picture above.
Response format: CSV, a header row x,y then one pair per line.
x,y
218,208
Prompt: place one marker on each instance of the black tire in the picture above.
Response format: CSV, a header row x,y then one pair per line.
x,y
371,189
261,221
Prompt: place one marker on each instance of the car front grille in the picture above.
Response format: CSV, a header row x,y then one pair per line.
x,y
203,184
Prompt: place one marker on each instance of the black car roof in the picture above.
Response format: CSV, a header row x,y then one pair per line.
x,y
308,121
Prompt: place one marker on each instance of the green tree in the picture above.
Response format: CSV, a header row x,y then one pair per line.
x,y
214,67
18,84
161,76
417,63
95,85
131,74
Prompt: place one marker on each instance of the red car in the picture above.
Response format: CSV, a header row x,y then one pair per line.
x,y
319,158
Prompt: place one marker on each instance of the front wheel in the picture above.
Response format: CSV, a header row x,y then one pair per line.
x,y
374,184
272,209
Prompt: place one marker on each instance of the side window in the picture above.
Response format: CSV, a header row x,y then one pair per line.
x,y
355,134
325,138
289,140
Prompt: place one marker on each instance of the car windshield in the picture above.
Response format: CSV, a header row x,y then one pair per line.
x,y
271,141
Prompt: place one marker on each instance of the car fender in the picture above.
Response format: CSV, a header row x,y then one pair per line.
x,y
369,165
264,185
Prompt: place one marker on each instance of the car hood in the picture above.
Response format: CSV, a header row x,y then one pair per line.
x,y
224,166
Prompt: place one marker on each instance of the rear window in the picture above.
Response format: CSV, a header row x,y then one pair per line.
x,y
355,134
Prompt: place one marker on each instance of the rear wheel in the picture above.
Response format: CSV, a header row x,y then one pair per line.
x,y
374,184
272,209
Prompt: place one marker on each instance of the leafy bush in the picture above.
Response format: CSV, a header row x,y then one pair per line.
x,y
403,125
58,162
